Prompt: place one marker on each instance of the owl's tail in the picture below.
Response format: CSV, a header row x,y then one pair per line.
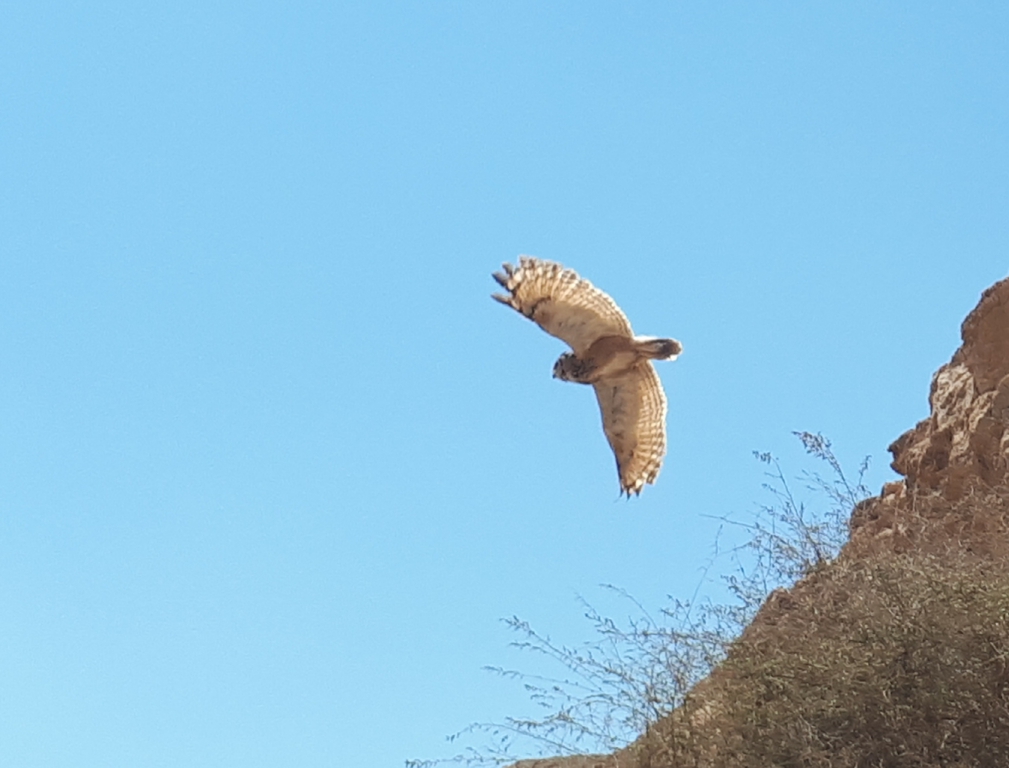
x,y
657,349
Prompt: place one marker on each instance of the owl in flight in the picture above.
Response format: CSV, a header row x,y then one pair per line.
x,y
606,354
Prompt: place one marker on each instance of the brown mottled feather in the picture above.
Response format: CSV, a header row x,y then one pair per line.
x,y
633,408
561,303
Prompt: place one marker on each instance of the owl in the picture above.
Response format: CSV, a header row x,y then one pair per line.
x,y
605,354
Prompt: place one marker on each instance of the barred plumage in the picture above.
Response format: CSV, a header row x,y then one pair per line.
x,y
606,354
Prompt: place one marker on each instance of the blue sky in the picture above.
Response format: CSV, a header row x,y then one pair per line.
x,y
272,463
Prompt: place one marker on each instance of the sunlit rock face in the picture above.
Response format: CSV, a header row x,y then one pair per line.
x,y
960,452
966,437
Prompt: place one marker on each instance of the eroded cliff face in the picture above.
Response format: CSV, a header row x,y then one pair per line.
x,y
950,508
962,448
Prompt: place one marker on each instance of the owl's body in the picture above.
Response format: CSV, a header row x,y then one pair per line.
x,y
610,356
606,354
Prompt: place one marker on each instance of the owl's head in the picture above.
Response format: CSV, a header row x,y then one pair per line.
x,y
566,367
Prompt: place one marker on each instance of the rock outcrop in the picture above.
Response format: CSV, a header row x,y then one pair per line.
x,y
960,449
950,509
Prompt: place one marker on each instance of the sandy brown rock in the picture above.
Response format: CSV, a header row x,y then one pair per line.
x,y
961,448
964,439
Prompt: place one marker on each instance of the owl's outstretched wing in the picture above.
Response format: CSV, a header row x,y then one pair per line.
x,y
561,303
633,407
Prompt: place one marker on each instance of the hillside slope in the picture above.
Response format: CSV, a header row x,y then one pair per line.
x,y
897,653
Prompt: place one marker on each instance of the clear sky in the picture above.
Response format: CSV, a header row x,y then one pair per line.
x,y
272,463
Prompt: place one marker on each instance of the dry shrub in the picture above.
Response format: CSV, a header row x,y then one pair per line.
x,y
905,665
898,663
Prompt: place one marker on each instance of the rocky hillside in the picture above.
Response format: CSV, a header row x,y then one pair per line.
x,y
897,653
